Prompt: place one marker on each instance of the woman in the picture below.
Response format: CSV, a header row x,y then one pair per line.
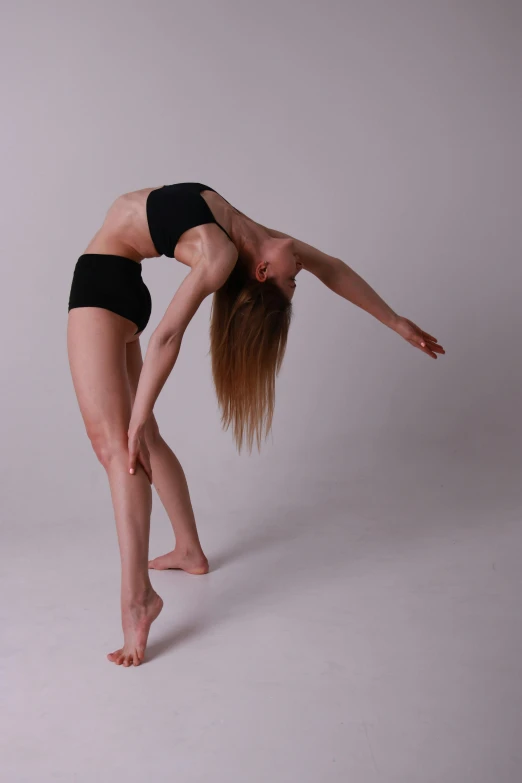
x,y
251,271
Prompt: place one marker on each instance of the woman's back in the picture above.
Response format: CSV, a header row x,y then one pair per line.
x,y
134,216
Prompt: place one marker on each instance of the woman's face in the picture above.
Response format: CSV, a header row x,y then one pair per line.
x,y
281,263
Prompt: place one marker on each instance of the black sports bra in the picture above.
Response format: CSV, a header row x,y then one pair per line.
x,y
173,209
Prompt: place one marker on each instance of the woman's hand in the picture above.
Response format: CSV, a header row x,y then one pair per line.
x,y
416,337
138,450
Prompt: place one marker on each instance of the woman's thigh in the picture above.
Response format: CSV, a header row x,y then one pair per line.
x,y
96,346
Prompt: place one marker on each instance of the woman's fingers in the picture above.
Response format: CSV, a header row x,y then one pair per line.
x,y
424,349
138,452
417,337
133,453
426,340
434,346
145,461
425,335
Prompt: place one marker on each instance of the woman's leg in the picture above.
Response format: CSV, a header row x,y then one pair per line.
x,y
171,485
96,340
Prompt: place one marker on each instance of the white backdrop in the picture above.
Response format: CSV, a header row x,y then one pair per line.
x,y
385,133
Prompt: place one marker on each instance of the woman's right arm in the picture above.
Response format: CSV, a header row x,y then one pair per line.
x,y
165,342
164,345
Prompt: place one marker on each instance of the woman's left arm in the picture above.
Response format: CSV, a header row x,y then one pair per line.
x,y
345,281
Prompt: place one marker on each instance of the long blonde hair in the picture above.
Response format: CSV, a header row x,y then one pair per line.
x,y
249,325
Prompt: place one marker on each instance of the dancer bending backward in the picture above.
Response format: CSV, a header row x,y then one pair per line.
x,y
251,271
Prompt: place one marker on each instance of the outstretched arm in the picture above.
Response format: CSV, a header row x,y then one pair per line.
x,y
345,281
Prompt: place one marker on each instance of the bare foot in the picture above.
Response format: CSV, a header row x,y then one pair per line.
x,y
136,620
192,562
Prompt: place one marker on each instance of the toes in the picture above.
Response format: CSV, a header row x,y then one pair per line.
x,y
130,659
115,657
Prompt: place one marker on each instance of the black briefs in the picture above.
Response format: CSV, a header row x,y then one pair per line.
x,y
114,283
173,209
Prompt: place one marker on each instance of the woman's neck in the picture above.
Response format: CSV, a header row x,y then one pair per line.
x,y
250,239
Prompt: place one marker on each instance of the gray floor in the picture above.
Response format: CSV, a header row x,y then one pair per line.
x,y
367,631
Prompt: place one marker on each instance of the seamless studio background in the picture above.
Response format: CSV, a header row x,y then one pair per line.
x,y
362,615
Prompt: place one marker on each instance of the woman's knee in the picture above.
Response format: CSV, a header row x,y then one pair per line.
x,y
109,446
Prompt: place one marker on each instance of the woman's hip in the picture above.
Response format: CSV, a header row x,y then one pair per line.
x,y
114,283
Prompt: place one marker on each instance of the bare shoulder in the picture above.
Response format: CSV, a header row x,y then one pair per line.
x,y
320,264
217,259
206,275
